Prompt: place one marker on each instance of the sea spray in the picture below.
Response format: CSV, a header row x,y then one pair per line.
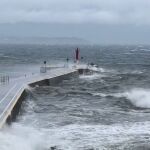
x,y
138,97
20,137
107,127
71,137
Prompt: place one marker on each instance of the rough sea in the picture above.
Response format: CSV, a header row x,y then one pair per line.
x,y
109,110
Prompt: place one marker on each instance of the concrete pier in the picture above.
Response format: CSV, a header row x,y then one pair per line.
x,y
13,93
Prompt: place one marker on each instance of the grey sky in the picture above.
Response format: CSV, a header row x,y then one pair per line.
x,y
75,11
121,21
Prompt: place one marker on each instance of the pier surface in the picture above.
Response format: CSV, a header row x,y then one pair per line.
x,y
12,91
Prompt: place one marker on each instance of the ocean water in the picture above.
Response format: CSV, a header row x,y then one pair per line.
x,y
109,110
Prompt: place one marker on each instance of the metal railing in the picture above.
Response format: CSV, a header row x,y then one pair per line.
x,y
4,79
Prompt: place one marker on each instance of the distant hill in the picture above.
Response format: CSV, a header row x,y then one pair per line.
x,y
43,40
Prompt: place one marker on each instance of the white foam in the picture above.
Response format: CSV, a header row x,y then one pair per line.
x,y
138,97
91,77
21,138
100,94
100,69
71,137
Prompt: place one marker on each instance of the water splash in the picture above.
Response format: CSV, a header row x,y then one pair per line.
x,y
19,137
92,76
71,137
138,97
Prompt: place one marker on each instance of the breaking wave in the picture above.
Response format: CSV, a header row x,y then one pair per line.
x,y
69,137
138,97
91,77
19,137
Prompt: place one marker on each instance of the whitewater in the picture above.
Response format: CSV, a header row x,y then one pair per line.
x,y
107,110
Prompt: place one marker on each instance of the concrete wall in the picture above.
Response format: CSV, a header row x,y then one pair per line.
x,y
58,79
83,71
48,82
40,83
16,109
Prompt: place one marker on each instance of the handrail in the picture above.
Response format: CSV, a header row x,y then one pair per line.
x,y
6,110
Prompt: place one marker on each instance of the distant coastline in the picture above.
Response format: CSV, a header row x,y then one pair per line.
x,y
44,40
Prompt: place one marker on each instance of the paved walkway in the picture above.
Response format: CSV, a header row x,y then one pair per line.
x,y
10,92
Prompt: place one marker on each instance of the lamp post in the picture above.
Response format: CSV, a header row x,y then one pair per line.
x,y
45,65
67,62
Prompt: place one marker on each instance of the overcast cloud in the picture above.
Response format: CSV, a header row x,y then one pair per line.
x,y
75,11
99,21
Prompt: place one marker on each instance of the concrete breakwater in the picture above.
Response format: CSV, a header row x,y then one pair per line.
x,y
15,92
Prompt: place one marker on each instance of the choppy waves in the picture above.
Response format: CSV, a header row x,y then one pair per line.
x,y
76,137
109,109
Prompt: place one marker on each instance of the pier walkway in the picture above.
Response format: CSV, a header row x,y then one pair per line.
x,y
11,91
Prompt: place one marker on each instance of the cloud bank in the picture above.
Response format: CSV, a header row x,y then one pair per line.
x,y
75,11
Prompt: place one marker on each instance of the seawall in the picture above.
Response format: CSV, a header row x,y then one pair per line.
x,y
15,99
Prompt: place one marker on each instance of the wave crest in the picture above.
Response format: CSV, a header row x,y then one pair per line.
x,y
138,97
